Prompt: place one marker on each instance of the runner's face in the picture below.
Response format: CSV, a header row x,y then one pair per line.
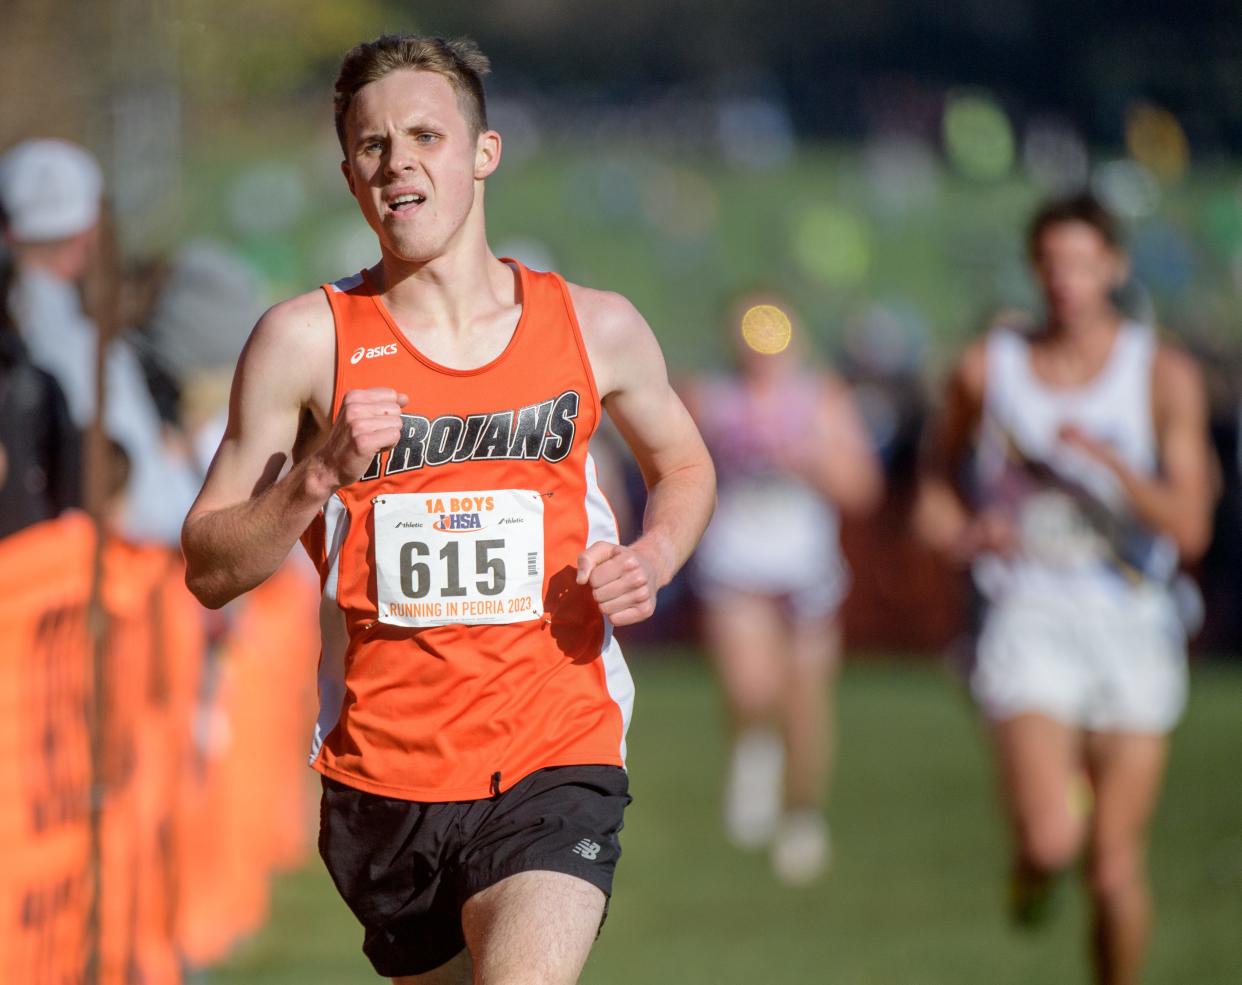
x,y
1076,269
412,162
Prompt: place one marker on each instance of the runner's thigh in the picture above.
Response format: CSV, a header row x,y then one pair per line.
x,y
535,927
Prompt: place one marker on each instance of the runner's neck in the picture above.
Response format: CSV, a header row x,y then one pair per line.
x,y
1074,354
452,293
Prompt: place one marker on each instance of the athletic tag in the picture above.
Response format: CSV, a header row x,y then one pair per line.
x,y
459,558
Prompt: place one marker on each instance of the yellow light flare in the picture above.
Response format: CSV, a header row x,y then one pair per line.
x,y
1157,141
766,329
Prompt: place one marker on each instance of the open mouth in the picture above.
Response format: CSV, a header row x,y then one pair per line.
x,y
406,203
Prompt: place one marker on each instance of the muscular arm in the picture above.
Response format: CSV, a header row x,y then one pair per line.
x,y
1178,500
681,481
248,516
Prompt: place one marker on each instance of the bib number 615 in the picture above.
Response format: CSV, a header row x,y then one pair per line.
x,y
489,572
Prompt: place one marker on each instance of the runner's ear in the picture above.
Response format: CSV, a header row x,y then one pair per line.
x,y
486,154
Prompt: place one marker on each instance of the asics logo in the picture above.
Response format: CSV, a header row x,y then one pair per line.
x,y
588,849
362,352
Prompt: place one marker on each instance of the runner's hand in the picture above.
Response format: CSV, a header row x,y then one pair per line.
x,y
369,422
621,579
1102,452
989,532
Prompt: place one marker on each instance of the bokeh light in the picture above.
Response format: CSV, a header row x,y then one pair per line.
x,y
1156,140
1127,188
831,246
978,137
766,329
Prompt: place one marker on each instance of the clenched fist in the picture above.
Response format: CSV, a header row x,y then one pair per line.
x,y
369,422
622,582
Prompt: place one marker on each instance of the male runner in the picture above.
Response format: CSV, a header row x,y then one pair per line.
x,y
772,577
1093,475
436,409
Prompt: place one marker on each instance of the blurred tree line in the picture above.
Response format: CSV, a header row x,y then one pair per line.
x,y
841,66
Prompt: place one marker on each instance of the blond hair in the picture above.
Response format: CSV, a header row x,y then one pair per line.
x,y
459,60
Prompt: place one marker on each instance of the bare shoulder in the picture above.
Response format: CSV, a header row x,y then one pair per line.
x,y
293,346
970,373
304,321
606,317
619,341
1177,380
1174,367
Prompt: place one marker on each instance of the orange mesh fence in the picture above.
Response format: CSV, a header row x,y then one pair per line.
x,y
198,774
45,770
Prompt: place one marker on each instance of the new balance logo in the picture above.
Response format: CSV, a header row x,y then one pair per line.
x,y
588,849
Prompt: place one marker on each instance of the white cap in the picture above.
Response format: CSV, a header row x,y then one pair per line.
x,y
49,190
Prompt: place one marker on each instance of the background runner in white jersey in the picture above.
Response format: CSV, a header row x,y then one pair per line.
x,y
1081,624
1092,475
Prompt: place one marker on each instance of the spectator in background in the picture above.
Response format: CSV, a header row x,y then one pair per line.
x,y
40,449
1092,476
791,455
51,193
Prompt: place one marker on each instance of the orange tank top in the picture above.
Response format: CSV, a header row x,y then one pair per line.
x,y
469,657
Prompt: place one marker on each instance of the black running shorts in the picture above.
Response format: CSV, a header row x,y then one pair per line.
x,y
405,869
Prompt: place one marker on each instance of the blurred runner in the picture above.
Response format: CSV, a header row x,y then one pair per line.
x,y
51,193
1093,476
792,454
436,410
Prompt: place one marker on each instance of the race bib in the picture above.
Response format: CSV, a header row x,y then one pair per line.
x,y
1053,530
462,558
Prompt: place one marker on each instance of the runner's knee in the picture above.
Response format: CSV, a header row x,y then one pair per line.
x,y
1049,843
755,694
1115,869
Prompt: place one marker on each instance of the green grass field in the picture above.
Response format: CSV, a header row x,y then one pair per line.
x,y
915,897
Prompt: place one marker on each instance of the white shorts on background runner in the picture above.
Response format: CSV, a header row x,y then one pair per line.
x,y
775,537
1099,663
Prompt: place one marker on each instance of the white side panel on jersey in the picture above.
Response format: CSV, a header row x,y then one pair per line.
x,y
347,284
331,672
602,525
335,639
335,527
620,683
